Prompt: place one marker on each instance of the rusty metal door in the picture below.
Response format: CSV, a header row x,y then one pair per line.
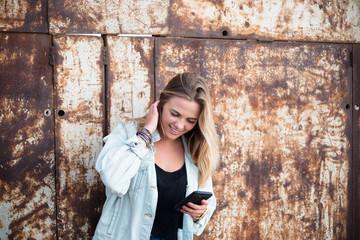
x,y
27,163
79,128
284,117
80,66
130,77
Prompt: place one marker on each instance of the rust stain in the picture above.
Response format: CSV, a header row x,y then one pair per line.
x,y
27,191
137,17
280,112
23,16
79,130
335,21
130,77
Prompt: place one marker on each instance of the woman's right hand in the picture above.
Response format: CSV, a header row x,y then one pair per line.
x,y
152,118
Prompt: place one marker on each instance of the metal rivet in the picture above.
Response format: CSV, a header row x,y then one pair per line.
x,y
47,112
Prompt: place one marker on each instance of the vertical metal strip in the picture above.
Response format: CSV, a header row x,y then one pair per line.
x,y
105,88
154,70
52,62
356,144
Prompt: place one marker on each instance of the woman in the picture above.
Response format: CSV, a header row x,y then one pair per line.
x,y
151,164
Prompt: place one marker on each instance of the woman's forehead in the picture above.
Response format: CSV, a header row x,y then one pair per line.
x,y
188,108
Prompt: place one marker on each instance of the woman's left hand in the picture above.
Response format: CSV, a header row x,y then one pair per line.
x,y
152,118
195,210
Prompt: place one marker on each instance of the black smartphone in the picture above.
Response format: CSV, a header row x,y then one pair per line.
x,y
195,197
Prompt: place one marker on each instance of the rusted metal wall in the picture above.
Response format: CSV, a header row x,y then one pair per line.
x,y
130,75
24,16
79,127
285,134
326,21
27,166
285,111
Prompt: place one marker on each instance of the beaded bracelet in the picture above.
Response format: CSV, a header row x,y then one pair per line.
x,y
145,135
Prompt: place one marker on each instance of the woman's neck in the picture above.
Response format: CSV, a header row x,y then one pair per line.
x,y
170,154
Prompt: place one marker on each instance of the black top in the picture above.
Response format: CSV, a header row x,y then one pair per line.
x,y
171,190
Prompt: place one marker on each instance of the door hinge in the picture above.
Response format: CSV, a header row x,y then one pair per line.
x,y
52,56
105,55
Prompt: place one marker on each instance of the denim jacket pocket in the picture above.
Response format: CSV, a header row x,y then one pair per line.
x,y
114,218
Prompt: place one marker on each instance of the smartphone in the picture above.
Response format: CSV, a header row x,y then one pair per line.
x,y
195,197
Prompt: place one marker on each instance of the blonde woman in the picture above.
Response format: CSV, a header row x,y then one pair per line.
x,y
151,164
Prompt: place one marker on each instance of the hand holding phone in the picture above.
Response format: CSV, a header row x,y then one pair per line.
x,y
195,197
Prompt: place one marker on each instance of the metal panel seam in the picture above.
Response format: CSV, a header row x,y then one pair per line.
x,y
52,62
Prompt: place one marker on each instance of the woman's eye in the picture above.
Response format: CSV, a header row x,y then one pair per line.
x,y
174,114
191,122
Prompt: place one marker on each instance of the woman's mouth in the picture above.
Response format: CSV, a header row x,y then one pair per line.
x,y
174,131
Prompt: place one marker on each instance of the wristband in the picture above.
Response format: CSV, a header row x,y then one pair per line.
x,y
145,135
202,216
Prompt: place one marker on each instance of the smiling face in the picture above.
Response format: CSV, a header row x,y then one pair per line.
x,y
179,116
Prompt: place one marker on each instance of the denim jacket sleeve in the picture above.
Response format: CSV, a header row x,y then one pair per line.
x,y
120,158
200,225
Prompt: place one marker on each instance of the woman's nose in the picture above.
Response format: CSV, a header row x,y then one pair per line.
x,y
180,124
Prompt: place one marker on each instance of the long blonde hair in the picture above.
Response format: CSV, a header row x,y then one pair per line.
x,y
203,142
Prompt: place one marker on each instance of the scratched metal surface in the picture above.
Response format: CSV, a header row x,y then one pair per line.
x,y
23,16
27,164
130,77
79,88
331,21
285,131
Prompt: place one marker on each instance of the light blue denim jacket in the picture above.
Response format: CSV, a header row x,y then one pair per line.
x,y
128,171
